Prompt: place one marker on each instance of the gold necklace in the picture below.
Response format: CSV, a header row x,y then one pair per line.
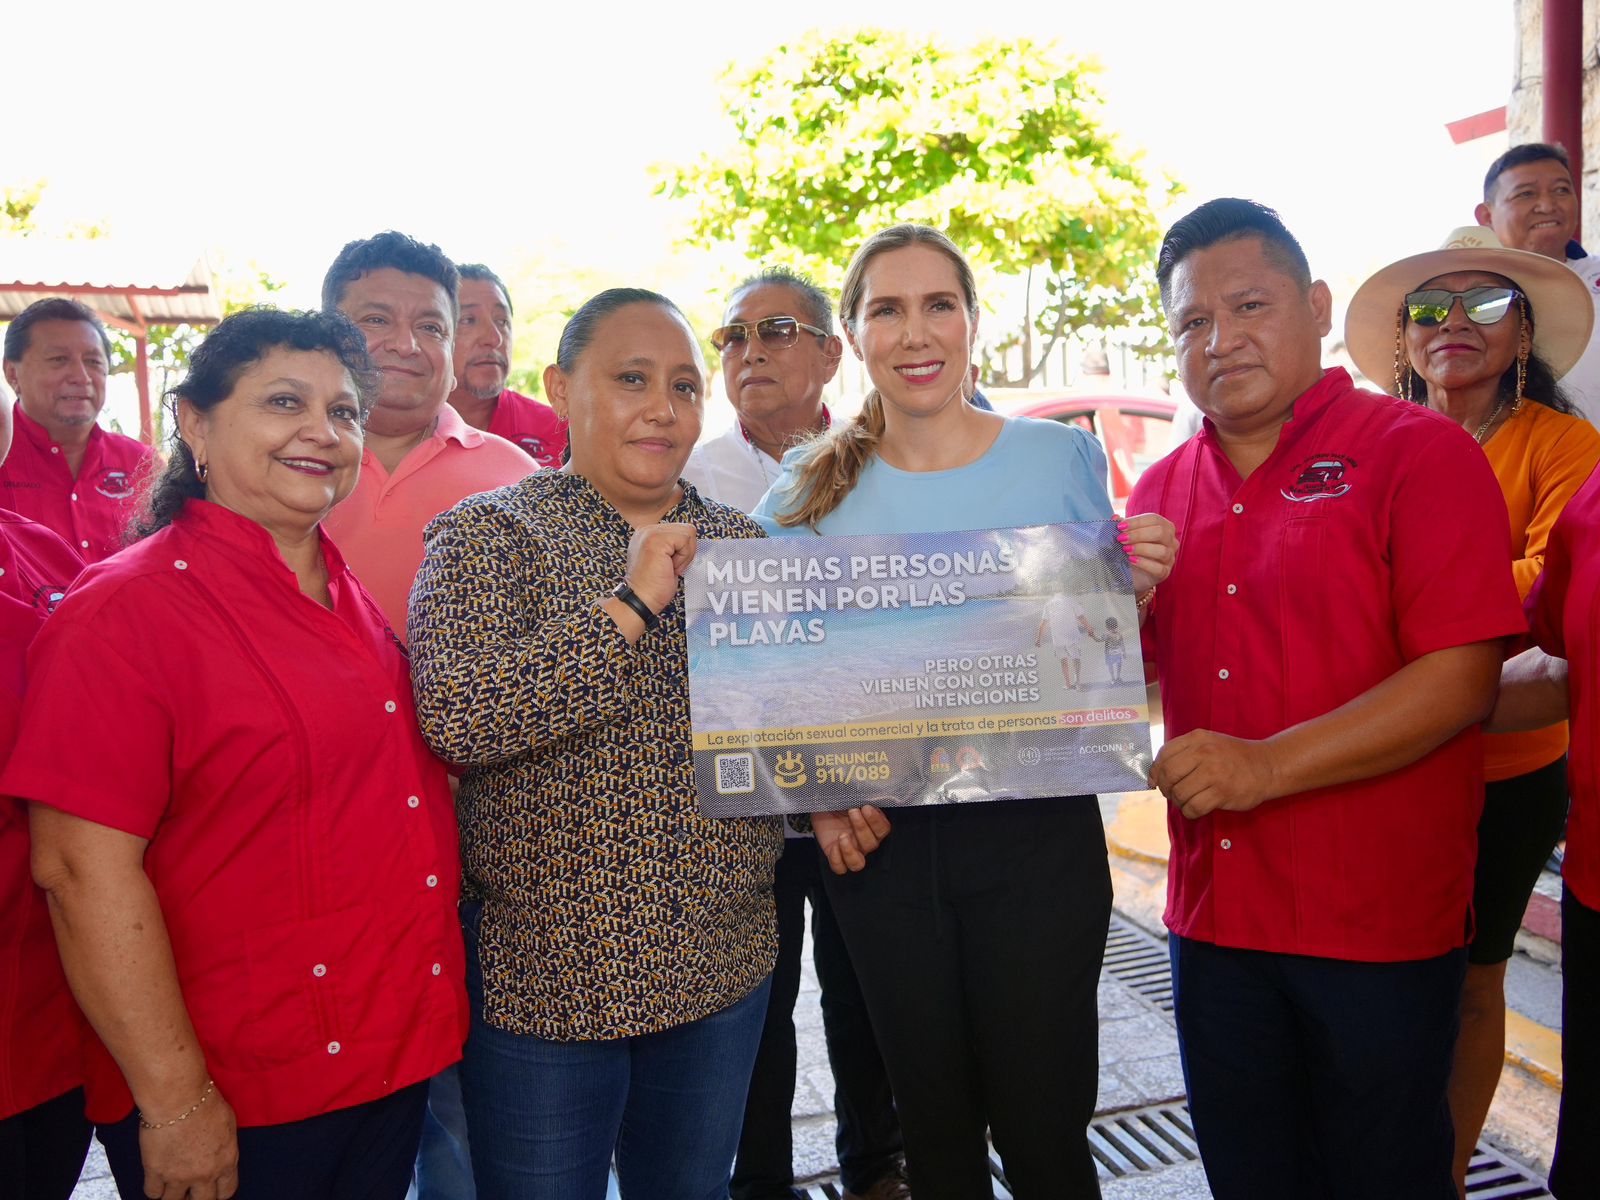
x,y
1489,420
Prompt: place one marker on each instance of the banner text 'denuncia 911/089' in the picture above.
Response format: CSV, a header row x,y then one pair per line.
x,y
895,670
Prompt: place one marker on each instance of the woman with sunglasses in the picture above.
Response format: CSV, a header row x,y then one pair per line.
x,y
976,930
1455,329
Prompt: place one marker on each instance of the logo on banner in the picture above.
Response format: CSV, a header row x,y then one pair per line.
x,y
1028,756
939,761
789,771
1320,478
968,759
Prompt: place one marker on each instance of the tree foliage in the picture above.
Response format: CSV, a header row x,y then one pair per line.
x,y
1001,144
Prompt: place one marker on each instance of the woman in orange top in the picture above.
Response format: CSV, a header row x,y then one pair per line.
x,y
1454,329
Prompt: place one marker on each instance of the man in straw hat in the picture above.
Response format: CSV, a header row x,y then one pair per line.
x,y
1532,204
1326,644
1479,333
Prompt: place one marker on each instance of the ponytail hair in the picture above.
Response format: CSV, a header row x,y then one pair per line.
x,y
830,463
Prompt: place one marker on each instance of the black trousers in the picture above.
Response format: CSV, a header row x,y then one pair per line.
x,y
1575,1174
977,932
364,1152
1318,1078
868,1141
42,1149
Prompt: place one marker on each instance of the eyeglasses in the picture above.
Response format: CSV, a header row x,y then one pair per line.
x,y
775,333
1483,305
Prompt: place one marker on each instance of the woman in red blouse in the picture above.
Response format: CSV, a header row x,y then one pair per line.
x,y
43,1134
249,851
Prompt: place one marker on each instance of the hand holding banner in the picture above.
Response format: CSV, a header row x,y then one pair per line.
x,y
830,672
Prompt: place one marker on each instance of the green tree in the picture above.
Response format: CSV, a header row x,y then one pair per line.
x,y
1001,144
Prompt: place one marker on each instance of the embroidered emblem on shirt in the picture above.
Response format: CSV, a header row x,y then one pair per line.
x,y
1321,477
47,595
114,484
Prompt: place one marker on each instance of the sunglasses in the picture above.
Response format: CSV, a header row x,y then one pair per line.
x,y
775,333
1483,305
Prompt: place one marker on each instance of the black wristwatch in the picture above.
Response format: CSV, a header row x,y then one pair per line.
x,y
631,598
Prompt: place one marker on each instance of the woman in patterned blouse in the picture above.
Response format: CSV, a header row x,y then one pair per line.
x,y
618,942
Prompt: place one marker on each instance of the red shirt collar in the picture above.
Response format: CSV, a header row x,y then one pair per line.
x,y
215,525
37,433
1335,382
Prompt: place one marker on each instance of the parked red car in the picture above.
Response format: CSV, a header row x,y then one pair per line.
x,y
1136,430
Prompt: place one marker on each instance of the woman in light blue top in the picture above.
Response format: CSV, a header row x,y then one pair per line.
x,y
977,930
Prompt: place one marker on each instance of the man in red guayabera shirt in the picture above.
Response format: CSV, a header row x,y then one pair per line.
x,y
65,472
483,361
1327,644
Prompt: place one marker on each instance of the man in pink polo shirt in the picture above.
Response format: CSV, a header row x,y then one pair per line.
x,y
1327,644
483,359
65,472
421,458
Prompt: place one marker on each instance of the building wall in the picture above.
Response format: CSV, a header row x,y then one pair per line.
x,y
1524,112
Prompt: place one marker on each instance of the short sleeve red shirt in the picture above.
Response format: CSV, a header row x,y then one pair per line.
x,y
1373,535
40,1030
1564,608
89,512
302,840
524,422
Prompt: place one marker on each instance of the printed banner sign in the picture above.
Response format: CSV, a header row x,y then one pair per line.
x,y
894,670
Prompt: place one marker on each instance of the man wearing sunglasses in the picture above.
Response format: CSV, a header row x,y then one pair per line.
x,y
778,353
1532,203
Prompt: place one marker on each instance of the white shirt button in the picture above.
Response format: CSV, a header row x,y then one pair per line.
x,y
1222,674
412,801
74,495
437,968
334,1047
1233,588
55,449
2,572
388,706
1238,508
433,881
319,970
1226,844
85,545
179,563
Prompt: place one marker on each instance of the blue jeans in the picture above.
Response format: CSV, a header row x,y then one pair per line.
x,y
545,1118
444,1161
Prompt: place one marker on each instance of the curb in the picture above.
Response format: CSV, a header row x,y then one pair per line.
x,y
1533,1048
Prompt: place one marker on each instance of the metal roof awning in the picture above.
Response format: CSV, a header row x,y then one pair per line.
x,y
130,288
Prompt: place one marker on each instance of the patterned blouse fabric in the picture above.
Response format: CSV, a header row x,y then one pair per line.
x,y
611,907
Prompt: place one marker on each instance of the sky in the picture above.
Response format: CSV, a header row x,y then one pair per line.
x,y
508,134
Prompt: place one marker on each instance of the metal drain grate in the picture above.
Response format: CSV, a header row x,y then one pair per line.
x,y
1492,1176
1140,961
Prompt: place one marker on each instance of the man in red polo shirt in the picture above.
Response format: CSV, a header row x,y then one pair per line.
x,y
65,472
483,359
1327,644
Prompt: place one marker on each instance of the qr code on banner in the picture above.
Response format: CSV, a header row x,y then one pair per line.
x,y
736,774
